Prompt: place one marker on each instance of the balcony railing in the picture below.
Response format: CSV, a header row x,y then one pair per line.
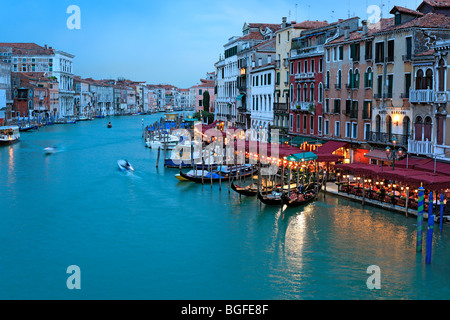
x,y
307,51
441,96
421,96
304,75
387,138
278,106
301,105
420,147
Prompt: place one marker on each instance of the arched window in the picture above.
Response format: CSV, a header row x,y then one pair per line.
x,y
305,92
350,78
419,79
311,92
389,127
378,124
406,126
356,79
429,79
339,79
442,75
418,128
320,92
368,78
427,129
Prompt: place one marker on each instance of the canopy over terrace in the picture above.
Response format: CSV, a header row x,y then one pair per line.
x,y
325,153
413,177
411,162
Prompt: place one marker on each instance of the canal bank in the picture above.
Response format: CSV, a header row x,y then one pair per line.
x,y
146,235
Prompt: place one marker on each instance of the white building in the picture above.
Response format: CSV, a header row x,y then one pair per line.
x,y
262,85
30,57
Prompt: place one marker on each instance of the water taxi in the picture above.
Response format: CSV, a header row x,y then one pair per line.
x,y
9,135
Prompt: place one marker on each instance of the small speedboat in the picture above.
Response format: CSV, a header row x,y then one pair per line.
x,y
50,150
109,125
124,165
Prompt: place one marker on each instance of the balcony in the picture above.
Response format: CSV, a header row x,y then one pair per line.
x,y
420,147
441,96
302,106
421,96
304,75
308,51
280,107
387,138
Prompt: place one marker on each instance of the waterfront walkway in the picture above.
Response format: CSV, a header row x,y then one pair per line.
x,y
332,188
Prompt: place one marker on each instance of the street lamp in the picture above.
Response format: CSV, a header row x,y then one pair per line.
x,y
393,154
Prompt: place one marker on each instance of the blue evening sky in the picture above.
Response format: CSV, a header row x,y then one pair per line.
x,y
174,42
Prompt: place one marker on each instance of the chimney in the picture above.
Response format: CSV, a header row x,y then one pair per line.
x,y
283,24
346,32
45,46
364,24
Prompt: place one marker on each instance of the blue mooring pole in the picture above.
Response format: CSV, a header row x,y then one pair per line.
x,y
430,229
420,219
441,223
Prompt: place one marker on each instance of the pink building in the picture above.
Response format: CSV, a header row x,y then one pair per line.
x,y
205,85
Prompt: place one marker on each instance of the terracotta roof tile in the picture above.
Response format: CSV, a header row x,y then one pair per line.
x,y
437,3
27,48
307,24
430,20
406,10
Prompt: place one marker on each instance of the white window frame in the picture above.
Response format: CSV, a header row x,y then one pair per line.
x,y
348,128
354,130
337,128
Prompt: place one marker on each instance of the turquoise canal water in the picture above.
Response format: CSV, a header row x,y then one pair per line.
x,y
147,235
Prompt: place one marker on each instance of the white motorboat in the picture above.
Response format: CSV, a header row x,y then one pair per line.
x,y
124,165
170,140
50,150
9,135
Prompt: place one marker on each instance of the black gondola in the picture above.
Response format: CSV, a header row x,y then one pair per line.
x,y
220,176
308,196
249,191
291,201
272,199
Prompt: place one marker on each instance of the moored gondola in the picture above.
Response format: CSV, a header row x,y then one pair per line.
x,y
251,190
297,199
301,197
220,175
272,199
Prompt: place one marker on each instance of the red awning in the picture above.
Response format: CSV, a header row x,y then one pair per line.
x,y
328,157
413,177
377,154
441,167
329,147
411,162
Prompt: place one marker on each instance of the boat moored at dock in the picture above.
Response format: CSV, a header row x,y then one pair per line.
x,y
9,135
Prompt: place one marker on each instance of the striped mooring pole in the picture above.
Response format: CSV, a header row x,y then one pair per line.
x,y
420,219
430,229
